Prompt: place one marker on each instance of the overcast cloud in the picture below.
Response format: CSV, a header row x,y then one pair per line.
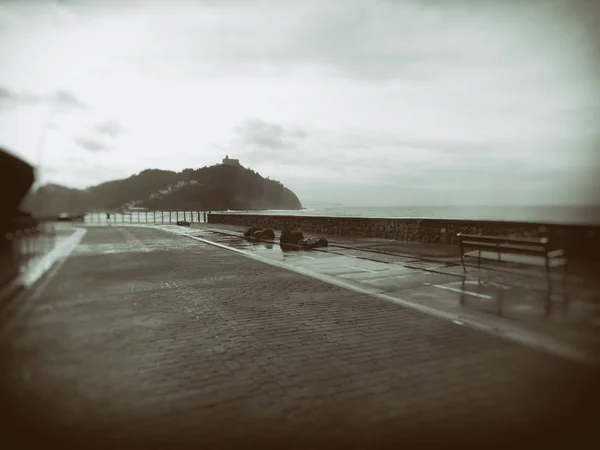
x,y
353,101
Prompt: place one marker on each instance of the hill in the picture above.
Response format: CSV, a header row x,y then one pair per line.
x,y
215,188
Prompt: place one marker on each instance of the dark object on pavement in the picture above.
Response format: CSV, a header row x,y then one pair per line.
x,y
66,217
16,178
264,234
289,248
249,233
183,223
313,242
291,237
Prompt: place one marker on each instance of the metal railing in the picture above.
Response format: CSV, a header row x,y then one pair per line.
x,y
145,217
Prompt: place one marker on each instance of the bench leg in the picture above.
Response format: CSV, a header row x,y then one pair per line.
x,y
548,277
500,302
565,276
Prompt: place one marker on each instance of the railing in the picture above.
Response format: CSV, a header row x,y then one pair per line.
x,y
22,247
145,217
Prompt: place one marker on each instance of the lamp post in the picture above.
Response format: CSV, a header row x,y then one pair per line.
x,y
42,142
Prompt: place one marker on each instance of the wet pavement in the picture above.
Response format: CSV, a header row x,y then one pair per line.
x,y
37,256
563,319
146,339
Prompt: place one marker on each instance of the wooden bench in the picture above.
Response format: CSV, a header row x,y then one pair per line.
x,y
509,245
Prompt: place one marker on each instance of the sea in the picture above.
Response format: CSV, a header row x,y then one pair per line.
x,y
582,215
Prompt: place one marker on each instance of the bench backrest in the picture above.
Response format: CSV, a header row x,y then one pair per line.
x,y
502,239
536,245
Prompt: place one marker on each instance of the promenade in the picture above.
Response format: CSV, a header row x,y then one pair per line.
x,y
143,338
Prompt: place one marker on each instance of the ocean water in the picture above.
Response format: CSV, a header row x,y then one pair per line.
x,y
546,214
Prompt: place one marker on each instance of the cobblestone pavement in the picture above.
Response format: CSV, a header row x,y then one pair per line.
x,y
146,339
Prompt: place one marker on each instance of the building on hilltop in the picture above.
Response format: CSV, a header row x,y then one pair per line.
x,y
230,162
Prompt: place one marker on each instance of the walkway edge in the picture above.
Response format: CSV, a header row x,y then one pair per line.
x,y
40,275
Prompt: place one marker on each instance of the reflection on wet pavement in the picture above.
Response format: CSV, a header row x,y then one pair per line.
x,y
558,312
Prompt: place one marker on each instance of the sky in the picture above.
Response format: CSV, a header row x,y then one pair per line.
x,y
358,102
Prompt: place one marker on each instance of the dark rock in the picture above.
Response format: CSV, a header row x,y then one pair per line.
x,y
264,234
313,242
289,248
249,233
291,237
323,242
183,223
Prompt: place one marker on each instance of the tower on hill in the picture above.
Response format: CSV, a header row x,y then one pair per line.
x,y
230,162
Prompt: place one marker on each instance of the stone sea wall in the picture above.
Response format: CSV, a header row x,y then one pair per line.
x,y
580,241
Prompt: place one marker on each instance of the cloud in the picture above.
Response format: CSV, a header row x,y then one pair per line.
x,y
368,40
6,94
60,99
66,100
110,128
10,97
91,144
261,134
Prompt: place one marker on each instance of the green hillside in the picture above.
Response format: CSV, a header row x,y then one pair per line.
x,y
218,187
